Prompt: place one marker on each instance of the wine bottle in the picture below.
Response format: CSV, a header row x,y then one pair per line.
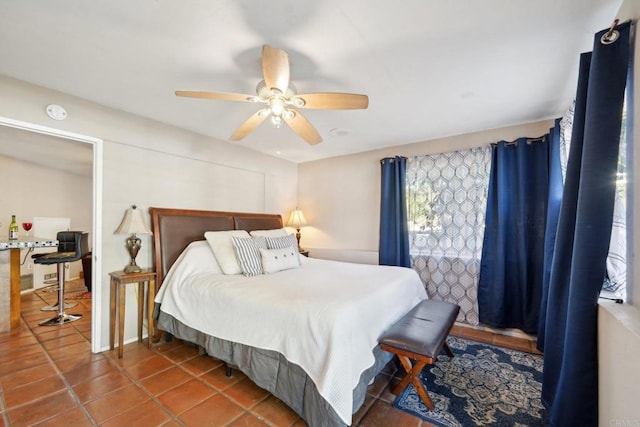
x,y
13,228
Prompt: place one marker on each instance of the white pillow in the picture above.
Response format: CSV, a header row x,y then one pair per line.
x,y
222,247
195,258
277,232
248,254
274,260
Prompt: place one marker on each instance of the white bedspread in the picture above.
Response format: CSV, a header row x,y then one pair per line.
x,y
325,317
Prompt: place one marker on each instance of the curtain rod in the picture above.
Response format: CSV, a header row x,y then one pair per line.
x,y
392,159
515,143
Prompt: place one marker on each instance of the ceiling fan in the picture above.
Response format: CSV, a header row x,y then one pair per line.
x,y
281,100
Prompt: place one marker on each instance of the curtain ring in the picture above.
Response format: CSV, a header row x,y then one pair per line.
x,y
612,35
610,38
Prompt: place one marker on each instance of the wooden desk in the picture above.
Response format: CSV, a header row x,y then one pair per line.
x,y
10,277
119,282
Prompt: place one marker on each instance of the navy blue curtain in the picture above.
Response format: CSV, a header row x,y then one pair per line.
x,y
513,250
394,234
553,213
570,377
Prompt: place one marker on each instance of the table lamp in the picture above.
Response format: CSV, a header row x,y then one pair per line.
x,y
297,220
133,224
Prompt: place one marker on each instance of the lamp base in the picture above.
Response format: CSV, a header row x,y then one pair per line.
x,y
133,246
132,268
298,239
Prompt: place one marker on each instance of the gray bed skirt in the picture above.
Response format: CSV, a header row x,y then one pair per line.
x,y
274,373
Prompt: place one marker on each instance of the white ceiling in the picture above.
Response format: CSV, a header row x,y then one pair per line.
x,y
45,150
430,68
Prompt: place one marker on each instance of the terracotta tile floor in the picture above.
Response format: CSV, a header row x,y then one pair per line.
x,y
48,377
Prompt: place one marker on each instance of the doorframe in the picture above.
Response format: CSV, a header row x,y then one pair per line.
x,y
96,273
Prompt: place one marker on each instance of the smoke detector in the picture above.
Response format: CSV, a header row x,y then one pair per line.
x,y
56,112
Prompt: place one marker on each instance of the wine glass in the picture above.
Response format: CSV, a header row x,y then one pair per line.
x,y
27,226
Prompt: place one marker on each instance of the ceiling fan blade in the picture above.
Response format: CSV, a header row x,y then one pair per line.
x,y
223,96
333,101
250,125
302,127
275,68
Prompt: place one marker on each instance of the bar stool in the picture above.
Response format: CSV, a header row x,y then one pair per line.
x,y
66,243
72,246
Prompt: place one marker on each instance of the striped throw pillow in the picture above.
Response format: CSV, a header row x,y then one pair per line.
x,y
248,254
282,242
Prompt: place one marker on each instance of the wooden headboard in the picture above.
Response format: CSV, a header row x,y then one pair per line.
x,y
174,229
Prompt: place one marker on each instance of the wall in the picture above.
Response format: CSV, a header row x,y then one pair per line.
x,y
65,195
151,164
618,373
340,196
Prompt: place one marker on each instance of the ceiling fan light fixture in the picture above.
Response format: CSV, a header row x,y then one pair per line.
x,y
265,92
276,104
276,120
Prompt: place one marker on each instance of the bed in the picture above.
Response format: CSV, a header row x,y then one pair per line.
x,y
308,334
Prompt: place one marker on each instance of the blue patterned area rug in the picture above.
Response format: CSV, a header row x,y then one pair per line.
x,y
482,385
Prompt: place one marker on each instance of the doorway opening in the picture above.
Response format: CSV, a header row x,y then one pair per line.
x,y
49,146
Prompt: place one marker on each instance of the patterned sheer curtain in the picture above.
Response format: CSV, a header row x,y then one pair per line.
x,y
616,282
617,259
446,202
566,125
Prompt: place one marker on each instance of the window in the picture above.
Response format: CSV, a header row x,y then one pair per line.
x,y
616,280
446,200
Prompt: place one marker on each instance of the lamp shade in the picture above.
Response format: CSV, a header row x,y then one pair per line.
x,y
133,223
296,219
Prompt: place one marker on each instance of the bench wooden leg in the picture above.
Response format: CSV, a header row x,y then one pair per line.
x,y
413,376
406,364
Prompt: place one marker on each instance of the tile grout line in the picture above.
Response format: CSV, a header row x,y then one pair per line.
x,y
247,410
223,391
60,374
176,417
199,378
113,364
121,369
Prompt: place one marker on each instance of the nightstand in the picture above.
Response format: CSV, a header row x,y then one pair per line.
x,y
119,282
304,253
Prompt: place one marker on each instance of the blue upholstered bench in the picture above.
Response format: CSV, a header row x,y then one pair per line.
x,y
420,335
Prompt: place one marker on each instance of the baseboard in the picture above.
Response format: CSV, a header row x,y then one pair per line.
x,y
356,256
516,333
